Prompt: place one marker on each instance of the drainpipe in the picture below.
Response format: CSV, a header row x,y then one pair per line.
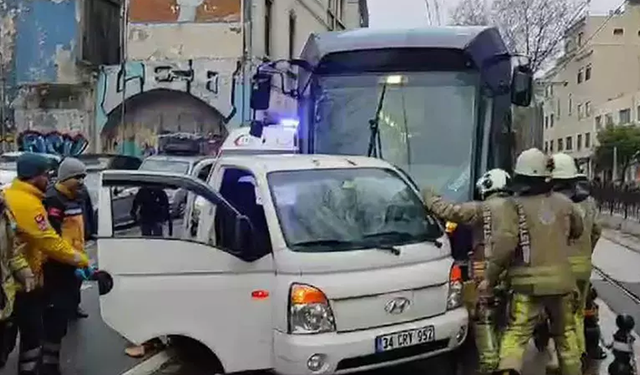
x,y
247,53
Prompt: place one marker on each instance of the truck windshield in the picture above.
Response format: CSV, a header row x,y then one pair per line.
x,y
326,210
427,122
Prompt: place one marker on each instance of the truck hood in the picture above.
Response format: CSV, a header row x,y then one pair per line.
x,y
288,261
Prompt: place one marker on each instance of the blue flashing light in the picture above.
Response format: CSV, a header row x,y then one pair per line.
x,y
289,123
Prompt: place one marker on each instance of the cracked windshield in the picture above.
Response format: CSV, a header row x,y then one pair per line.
x,y
319,187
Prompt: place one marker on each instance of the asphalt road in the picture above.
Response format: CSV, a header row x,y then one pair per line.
x,y
90,347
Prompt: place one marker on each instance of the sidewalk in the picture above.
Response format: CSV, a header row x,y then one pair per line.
x,y
624,232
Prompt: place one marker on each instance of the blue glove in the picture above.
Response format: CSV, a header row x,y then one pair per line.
x,y
80,274
85,274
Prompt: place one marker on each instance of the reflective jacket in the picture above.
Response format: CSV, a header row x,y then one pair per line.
x,y
473,213
24,201
11,261
66,215
540,265
582,248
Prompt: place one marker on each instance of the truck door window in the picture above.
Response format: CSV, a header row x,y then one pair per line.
x,y
239,189
204,172
151,211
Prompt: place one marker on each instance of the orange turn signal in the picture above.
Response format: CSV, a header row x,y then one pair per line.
x,y
450,227
455,274
305,294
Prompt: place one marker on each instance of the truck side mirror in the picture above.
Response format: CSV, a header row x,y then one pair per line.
x,y
244,239
522,86
256,128
261,91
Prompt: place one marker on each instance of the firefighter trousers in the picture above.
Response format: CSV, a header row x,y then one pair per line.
x,y
28,317
524,314
580,305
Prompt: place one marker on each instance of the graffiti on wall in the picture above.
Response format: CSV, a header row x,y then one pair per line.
x,y
196,11
164,96
54,142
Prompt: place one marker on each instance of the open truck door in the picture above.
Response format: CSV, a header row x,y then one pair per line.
x,y
165,282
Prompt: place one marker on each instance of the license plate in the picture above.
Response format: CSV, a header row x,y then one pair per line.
x,y
403,339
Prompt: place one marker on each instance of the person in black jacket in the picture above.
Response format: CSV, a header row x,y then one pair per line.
x,y
151,209
65,203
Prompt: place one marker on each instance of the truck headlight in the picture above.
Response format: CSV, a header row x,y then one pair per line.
x,y
309,311
454,298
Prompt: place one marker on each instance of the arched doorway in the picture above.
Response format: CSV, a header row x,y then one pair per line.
x,y
156,112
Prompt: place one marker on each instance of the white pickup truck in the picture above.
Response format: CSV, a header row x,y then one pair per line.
x,y
298,264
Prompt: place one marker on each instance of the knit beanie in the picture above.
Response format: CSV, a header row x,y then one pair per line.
x,y
71,167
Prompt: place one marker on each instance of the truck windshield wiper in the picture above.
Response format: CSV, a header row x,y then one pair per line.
x,y
339,243
375,144
401,236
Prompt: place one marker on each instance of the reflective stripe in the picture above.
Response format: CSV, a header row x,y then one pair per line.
x,y
536,280
28,366
581,265
535,271
51,347
30,354
50,359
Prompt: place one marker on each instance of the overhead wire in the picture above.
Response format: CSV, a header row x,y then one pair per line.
x,y
591,37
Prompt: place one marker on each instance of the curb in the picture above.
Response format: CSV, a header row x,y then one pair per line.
x,y
618,242
152,364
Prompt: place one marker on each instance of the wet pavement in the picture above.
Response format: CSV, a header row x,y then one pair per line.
x,y
90,347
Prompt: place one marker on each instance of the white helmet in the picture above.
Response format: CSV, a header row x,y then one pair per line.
x,y
564,167
533,163
493,180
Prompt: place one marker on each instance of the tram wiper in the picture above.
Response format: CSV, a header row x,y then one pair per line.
x,y
375,144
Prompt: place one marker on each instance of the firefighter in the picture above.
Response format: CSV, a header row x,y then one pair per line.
x,y
538,271
14,273
24,201
492,187
569,181
65,204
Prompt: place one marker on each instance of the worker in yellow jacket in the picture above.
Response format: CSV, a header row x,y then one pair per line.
x,y
14,274
24,201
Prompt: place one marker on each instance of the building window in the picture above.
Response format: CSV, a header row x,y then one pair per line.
x,y
292,35
587,140
558,108
546,146
268,18
580,73
618,31
608,119
625,116
570,108
546,122
560,145
638,114
580,38
551,145
579,142
551,121
587,73
568,143
587,109
579,111
598,122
